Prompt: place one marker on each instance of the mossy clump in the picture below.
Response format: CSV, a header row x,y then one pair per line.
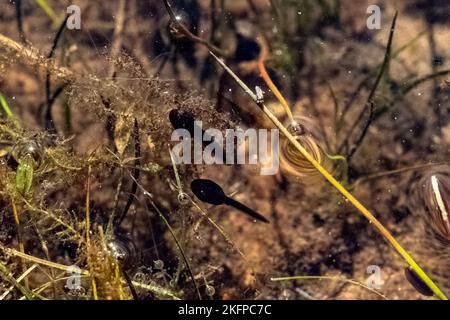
x,y
62,208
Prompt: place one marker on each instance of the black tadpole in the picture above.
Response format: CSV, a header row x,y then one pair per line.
x,y
417,282
182,120
185,120
210,192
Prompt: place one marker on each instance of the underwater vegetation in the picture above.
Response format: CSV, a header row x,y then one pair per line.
x,y
94,204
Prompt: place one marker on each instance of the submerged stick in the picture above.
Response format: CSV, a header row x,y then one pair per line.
x,y
35,58
332,278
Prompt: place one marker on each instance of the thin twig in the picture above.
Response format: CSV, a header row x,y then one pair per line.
x,y
408,87
58,35
49,124
333,278
36,59
378,175
19,18
136,173
117,36
265,75
130,285
363,133
185,31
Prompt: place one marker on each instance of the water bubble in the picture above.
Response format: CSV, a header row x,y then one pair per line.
x,y
210,291
159,264
140,277
173,283
183,198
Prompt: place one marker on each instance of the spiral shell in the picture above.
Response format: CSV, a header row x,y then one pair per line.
x,y
28,147
292,161
123,250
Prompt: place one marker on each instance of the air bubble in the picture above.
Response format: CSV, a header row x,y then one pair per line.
x,y
159,264
210,291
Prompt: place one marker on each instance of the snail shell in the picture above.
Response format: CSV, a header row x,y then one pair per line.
x,y
123,250
436,197
292,161
26,148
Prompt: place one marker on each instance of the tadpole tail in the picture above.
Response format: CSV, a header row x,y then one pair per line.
x,y
237,205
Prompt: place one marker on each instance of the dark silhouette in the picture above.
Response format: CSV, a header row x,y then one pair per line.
x,y
210,192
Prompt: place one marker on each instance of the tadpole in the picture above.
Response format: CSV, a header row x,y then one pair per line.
x,y
417,282
210,192
186,120
182,120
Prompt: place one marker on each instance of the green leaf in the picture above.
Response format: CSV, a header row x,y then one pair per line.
x,y
5,106
24,175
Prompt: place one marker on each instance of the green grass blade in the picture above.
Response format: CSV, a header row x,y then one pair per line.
x,y
5,106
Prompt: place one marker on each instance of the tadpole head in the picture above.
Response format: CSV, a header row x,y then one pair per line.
x,y
417,282
208,191
182,120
